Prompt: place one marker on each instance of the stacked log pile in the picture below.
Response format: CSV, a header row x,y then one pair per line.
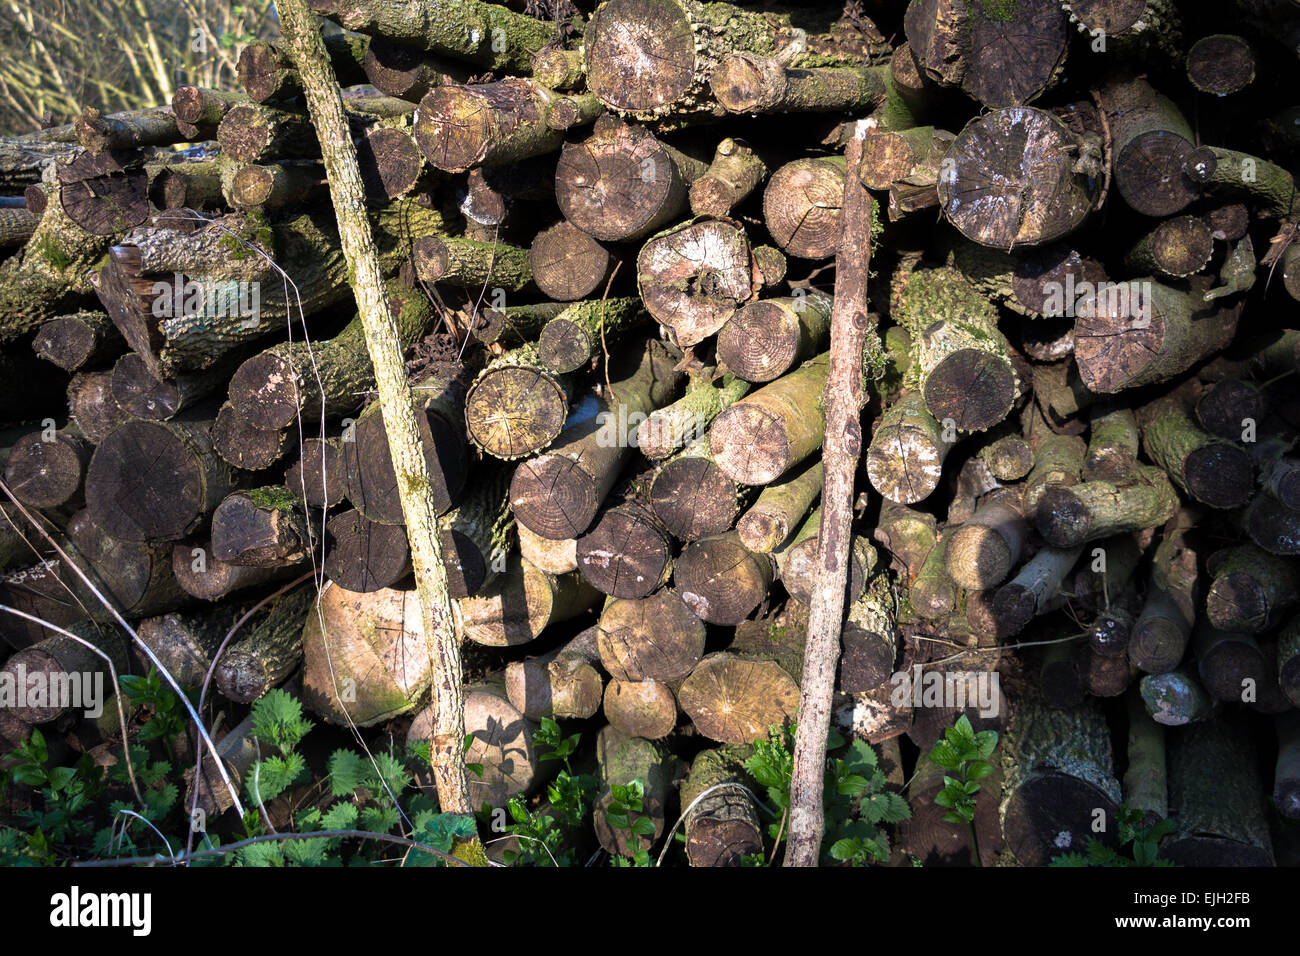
x,y
610,265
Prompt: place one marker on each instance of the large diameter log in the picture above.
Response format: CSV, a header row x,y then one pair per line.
x,y
691,495
45,468
364,556
1070,516
721,580
267,73
140,395
722,825
771,430
502,743
563,684
1252,590
267,651
765,339
517,405
653,638
261,527
59,674
404,71
155,481
694,277
459,127
1144,331
1011,180
184,641
365,657
252,133
520,603
621,183
1057,772
1216,794
905,458
621,760
558,493
735,699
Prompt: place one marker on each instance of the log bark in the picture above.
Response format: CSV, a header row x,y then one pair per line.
x,y
622,759
263,527
905,459
268,651
1213,471
722,828
200,574
563,684
686,420
586,329
520,603
780,509
736,171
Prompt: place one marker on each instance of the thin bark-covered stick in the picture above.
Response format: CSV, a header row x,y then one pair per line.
x,y
325,103
850,332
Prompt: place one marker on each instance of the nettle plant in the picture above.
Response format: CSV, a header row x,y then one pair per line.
x,y
545,836
1139,838
964,755
858,808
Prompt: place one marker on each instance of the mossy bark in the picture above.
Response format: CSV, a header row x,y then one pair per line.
x,y
268,651
684,421
723,826
587,329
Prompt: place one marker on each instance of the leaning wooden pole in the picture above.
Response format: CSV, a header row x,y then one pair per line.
x,y
842,447
414,483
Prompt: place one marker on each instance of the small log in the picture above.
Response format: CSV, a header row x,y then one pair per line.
x,y
1216,794
987,546
568,264
459,127
720,580
238,751
1288,660
621,183
750,83
1013,159
515,325
1231,666
623,759
903,155
520,603
139,395
1228,406
275,186
1213,471
1058,461
268,651
201,575
1150,143
251,133
694,277
403,71
686,420
584,330
796,561
1057,772
1252,591
735,172
801,206
1221,64
644,708
155,481
98,133
60,675
558,68
722,825
1162,631
1068,516
244,446
1176,697
184,641
907,451
267,72
1175,249
907,535
771,430
553,557
1146,780
869,640
390,161
1035,590
78,340
655,638
563,684
363,556
45,468
780,509
199,111
1113,442
558,493
320,476
691,495
933,594
469,264
261,527
765,339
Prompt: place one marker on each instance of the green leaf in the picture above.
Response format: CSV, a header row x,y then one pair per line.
x,y
946,756
348,771
978,770
985,743
341,816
